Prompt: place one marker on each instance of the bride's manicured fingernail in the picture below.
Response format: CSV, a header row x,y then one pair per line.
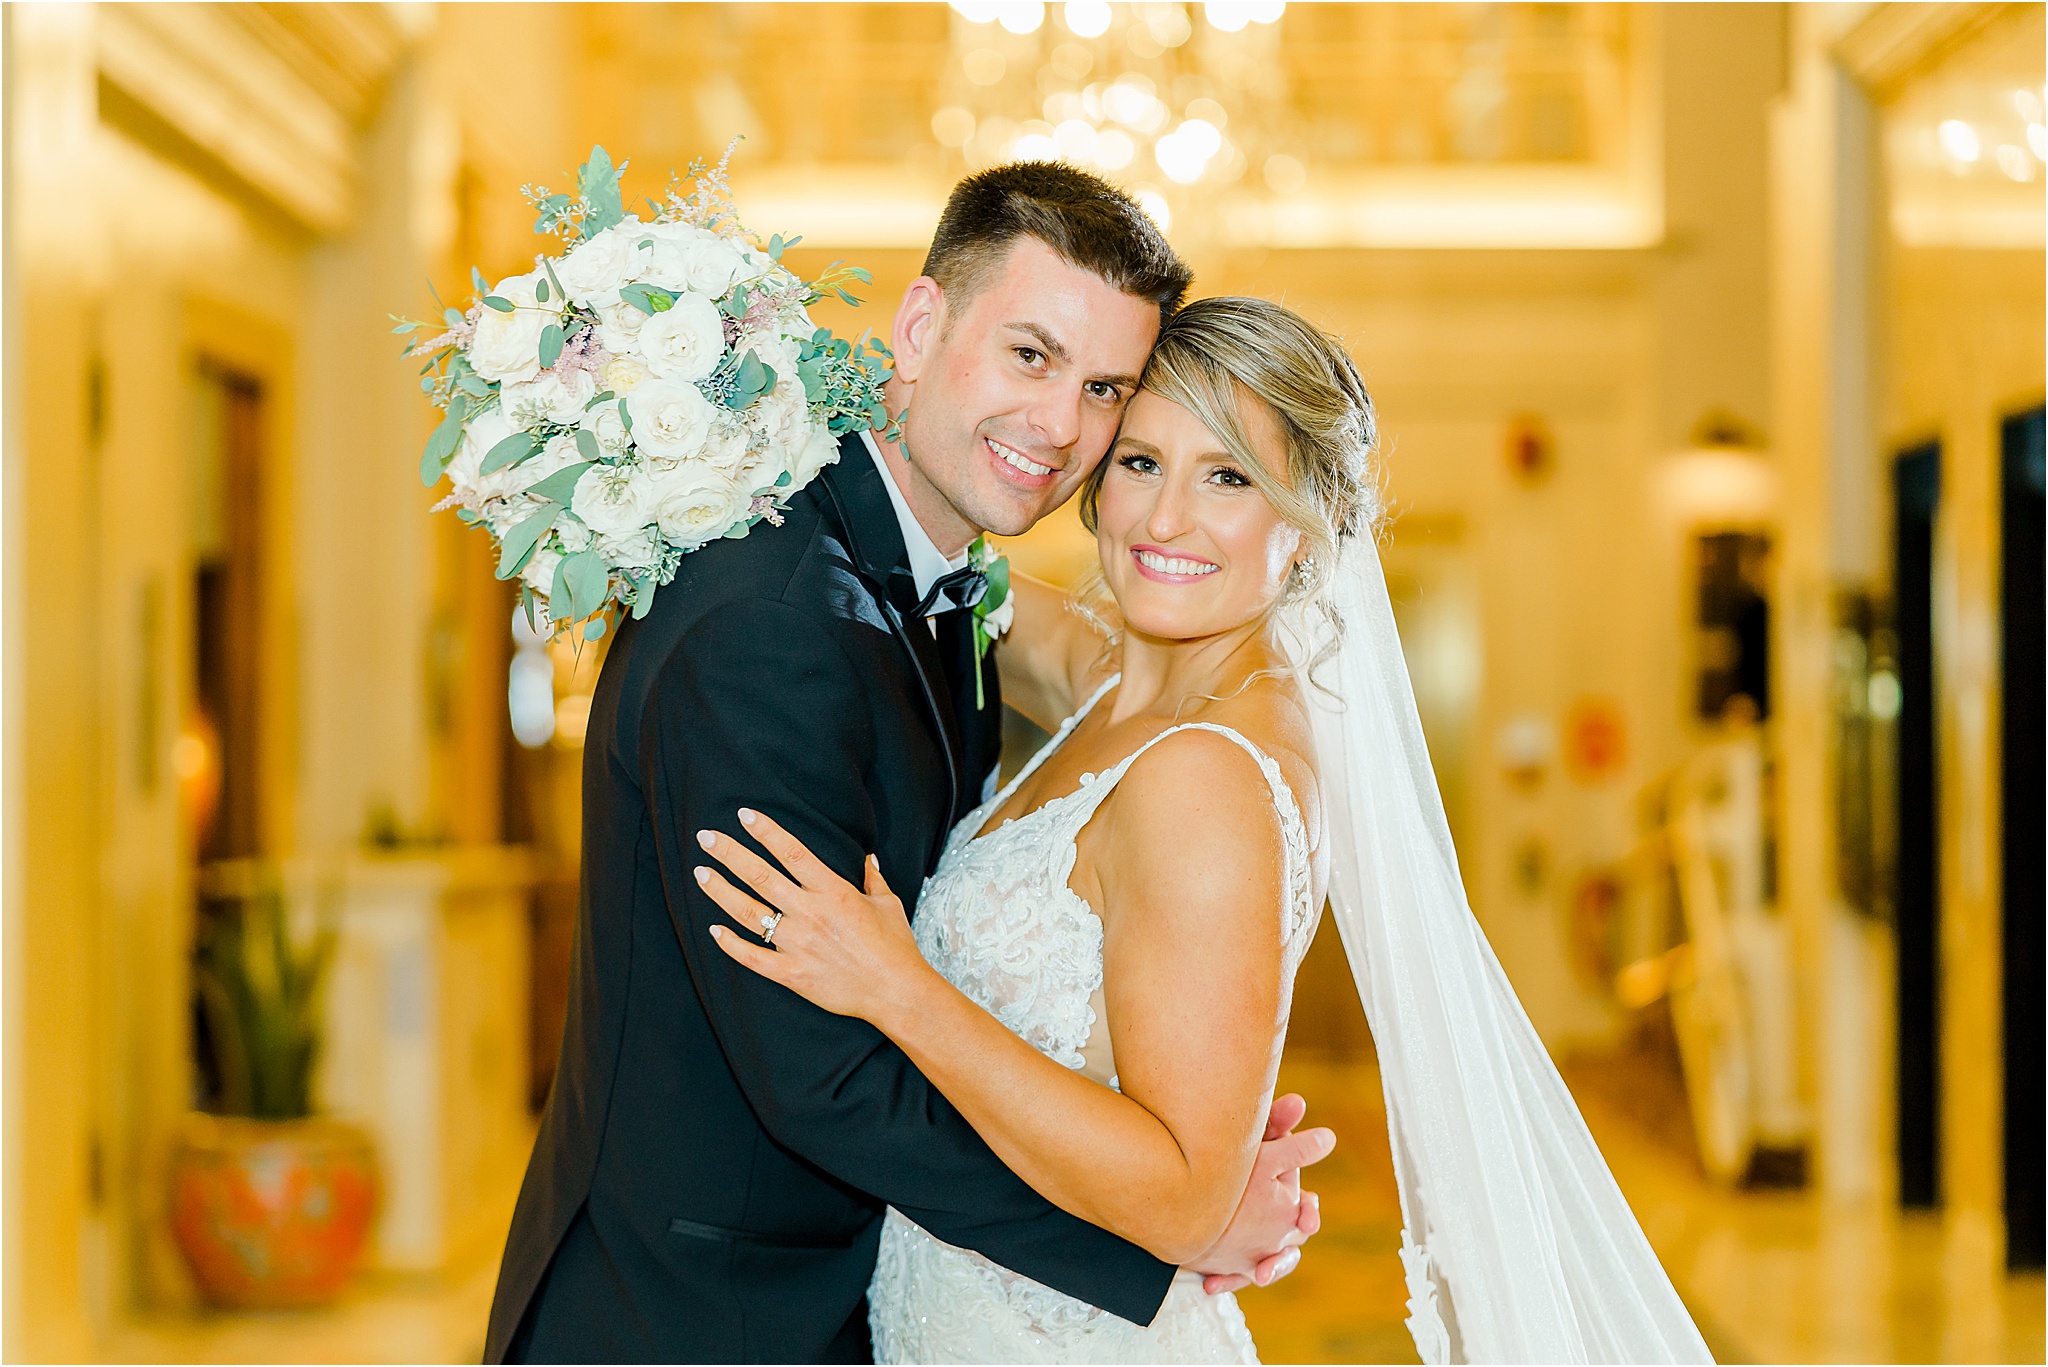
x,y
706,839
718,932
702,875
748,816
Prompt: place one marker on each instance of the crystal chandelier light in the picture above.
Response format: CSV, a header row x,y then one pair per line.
x,y
1170,104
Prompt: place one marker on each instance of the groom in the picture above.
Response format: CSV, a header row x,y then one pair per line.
x,y
712,1167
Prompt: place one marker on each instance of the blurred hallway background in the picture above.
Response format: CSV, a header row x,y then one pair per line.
x,y
1708,344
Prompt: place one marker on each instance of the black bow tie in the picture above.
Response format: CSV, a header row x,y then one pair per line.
x,y
964,587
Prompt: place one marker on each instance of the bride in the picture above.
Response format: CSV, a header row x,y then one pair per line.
x,y
1100,969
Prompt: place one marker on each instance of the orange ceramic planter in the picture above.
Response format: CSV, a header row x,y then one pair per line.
x,y
272,1213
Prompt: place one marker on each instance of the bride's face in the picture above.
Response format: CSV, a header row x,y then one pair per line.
x,y
1189,545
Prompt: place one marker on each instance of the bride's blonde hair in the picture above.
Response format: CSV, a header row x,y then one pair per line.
x,y
1212,357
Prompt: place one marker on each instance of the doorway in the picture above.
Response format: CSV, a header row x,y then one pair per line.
x,y
227,615
1916,495
2021,749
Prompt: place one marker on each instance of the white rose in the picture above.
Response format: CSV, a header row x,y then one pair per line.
x,y
612,500
685,342
785,412
671,419
710,267
465,470
618,327
777,352
552,396
595,269
819,450
680,257
624,374
732,446
507,345
635,551
557,453
574,536
998,619
694,504
539,574
608,425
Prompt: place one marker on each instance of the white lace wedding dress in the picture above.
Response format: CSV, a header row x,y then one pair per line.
x,y
999,921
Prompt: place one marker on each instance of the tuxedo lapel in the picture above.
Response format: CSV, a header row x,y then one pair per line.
x,y
875,543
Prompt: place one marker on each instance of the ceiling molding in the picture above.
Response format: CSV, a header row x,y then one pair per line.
x,y
1893,43
274,92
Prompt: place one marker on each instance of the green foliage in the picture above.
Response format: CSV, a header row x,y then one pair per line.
x,y
649,299
518,545
258,990
510,451
598,181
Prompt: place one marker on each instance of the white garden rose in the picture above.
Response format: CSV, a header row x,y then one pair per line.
x,y
680,257
784,413
624,374
819,451
608,425
597,267
618,327
554,396
634,551
539,573
507,345
998,619
671,419
465,470
571,532
710,267
613,500
558,453
686,341
694,504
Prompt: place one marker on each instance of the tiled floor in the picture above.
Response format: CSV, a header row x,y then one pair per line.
x,y
1770,1276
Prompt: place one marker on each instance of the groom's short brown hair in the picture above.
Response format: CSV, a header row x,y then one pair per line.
x,y
1087,221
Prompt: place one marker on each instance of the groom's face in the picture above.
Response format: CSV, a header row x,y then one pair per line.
x,y
1016,390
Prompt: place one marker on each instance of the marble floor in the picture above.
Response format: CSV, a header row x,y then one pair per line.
x,y
1770,1276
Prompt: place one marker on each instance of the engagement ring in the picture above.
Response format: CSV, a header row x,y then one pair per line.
x,y
768,924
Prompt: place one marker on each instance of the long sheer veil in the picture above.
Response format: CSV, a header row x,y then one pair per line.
x,y
1518,1245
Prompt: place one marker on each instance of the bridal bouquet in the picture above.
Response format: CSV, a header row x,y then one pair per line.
x,y
656,386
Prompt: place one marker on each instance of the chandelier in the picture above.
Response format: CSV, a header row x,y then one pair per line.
x,y
1175,102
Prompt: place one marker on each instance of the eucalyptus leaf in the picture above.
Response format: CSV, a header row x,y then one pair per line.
x,y
593,629
561,485
476,278
643,595
451,318
599,182
510,451
440,446
517,547
586,577
540,291
586,442
649,299
498,302
550,345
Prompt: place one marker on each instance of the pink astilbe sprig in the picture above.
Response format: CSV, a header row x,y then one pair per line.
x,y
583,352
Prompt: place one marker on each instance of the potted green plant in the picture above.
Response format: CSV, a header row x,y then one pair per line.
x,y
271,1205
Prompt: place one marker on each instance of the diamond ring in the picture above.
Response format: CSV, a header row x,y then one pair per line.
x,y
768,925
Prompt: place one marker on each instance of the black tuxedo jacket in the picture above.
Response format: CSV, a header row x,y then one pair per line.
x,y
711,1170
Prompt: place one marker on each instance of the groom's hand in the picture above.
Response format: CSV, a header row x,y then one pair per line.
x,y
1263,1243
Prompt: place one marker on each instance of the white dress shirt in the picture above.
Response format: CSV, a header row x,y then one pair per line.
x,y
927,562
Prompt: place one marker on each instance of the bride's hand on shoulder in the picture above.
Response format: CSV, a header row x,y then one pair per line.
x,y
846,949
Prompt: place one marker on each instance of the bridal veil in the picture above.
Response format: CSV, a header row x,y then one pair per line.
x,y
1518,1246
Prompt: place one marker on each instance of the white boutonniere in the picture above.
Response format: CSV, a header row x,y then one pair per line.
x,y
992,615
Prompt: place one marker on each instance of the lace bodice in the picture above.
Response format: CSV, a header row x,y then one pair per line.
x,y
999,921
